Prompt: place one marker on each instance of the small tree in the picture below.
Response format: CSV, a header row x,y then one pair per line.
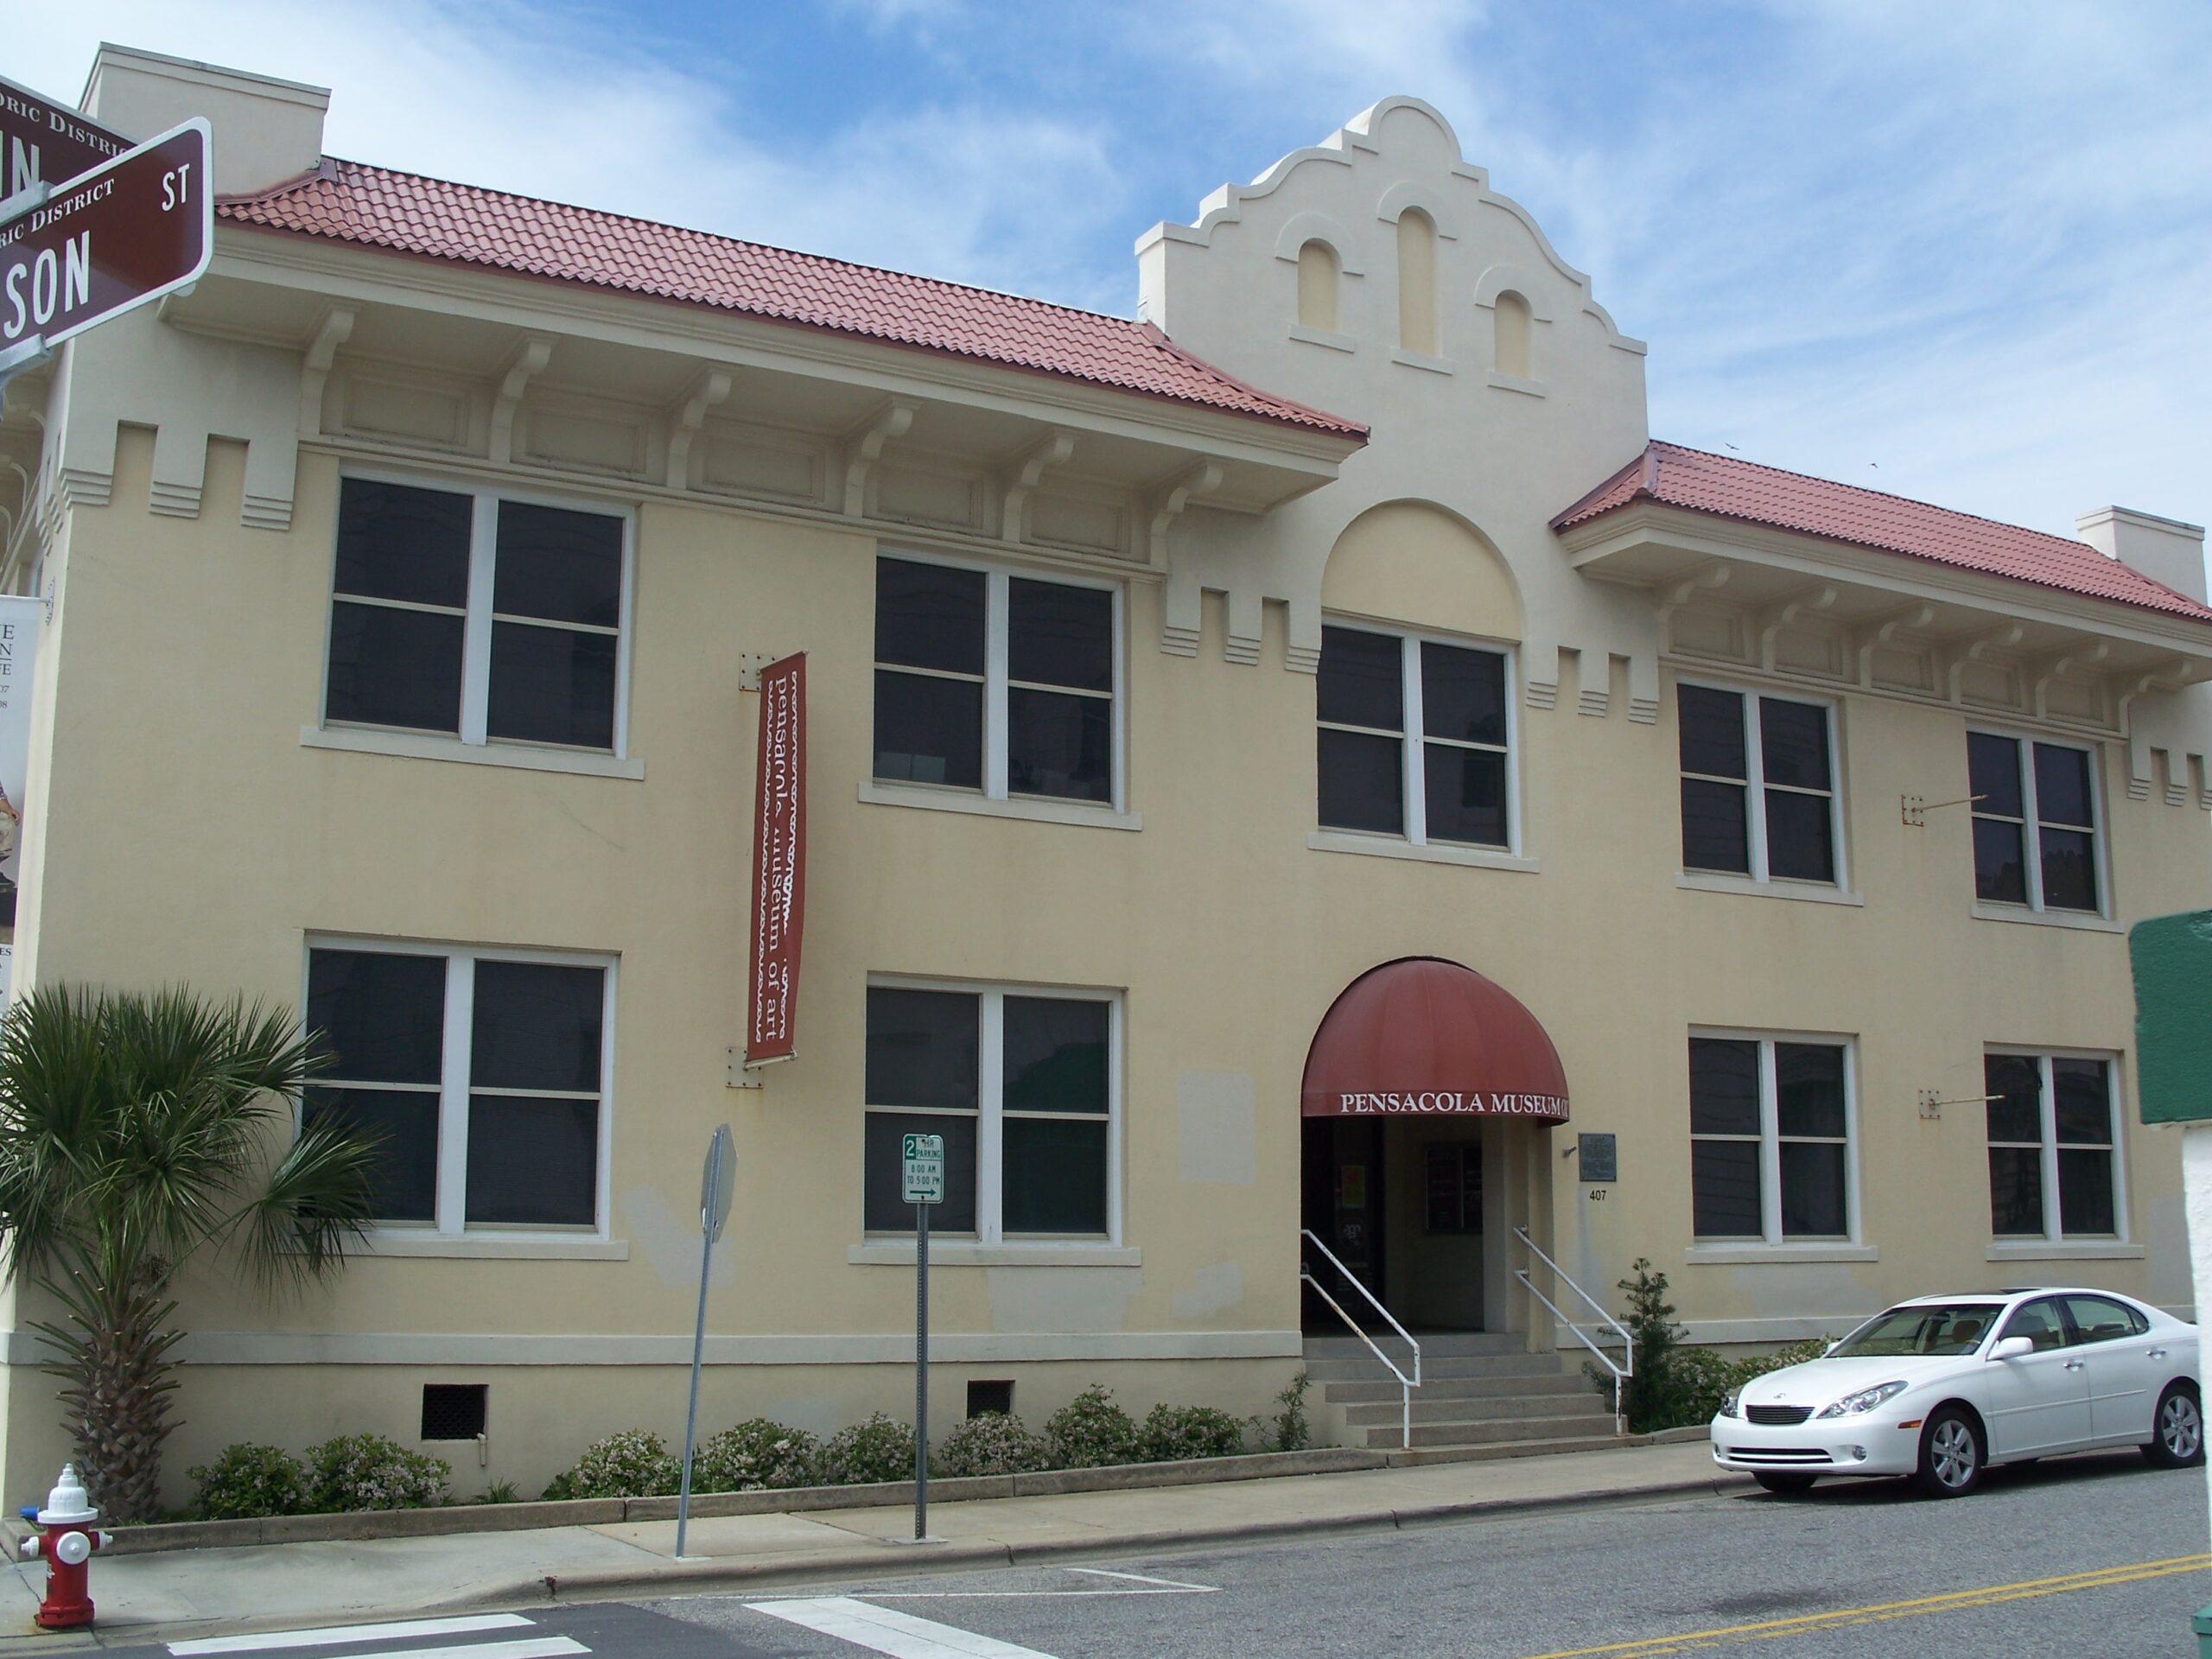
x,y
1648,1399
136,1130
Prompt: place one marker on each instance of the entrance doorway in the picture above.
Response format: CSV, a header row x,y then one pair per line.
x,y
1402,1206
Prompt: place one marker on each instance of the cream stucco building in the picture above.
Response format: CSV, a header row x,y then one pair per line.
x,y
1334,631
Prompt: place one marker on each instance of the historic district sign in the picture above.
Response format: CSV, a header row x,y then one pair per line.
x,y
43,141
129,231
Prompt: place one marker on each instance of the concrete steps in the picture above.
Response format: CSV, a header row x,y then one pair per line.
x,y
1481,1395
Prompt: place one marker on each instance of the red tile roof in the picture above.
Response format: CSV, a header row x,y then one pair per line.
x,y
404,213
1698,482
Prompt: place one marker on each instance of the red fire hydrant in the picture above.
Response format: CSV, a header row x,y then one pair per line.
x,y
68,1542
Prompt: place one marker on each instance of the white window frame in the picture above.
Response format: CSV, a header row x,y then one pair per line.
x,y
478,615
1754,782
2032,832
1413,762
2047,1125
998,581
1771,1237
450,1210
990,1113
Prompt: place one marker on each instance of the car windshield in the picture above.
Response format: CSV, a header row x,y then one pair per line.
x,y
1929,1328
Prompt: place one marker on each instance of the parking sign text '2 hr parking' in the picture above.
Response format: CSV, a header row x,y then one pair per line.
x,y
129,231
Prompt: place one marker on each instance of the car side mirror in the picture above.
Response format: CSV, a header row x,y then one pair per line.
x,y
2013,1348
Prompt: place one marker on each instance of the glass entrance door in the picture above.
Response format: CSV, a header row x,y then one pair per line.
x,y
1343,1205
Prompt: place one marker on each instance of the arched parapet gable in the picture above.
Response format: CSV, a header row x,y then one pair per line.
x,y
1364,131
1300,228
1579,278
1513,279
1421,564
1408,194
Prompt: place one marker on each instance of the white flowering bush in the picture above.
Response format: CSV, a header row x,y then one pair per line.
x,y
877,1448
1090,1431
368,1471
246,1481
755,1454
992,1444
632,1463
1173,1433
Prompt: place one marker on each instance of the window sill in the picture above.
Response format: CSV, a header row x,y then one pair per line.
x,y
1420,360
1514,383
899,1253
1335,342
424,746
1779,1254
876,793
516,1246
1349,841
2066,1249
1811,893
2080,920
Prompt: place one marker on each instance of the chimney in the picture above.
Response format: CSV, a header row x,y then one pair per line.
x,y
266,131
2165,549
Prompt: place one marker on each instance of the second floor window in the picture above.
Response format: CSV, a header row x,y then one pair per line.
x,y
1414,739
2035,823
488,620
1770,1140
995,682
1758,785
2053,1160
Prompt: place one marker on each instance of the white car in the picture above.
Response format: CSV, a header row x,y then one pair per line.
x,y
1940,1386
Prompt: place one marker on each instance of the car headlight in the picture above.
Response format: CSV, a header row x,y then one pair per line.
x,y
1729,1402
1866,1400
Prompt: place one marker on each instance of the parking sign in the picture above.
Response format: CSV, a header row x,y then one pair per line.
x,y
922,1158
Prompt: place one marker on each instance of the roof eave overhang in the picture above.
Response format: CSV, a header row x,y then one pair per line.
x,y
1261,462
1676,553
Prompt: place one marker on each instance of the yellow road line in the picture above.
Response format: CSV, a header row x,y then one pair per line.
x,y
1881,1613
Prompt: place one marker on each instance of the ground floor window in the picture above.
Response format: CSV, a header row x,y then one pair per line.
x,y
1771,1121
483,1072
2053,1167
1022,1085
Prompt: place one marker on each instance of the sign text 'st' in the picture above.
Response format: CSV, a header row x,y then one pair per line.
x,y
138,227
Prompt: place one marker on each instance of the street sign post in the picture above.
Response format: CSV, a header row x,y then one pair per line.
x,y
718,1185
127,232
43,142
921,1159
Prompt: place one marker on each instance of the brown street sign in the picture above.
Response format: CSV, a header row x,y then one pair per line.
x,y
129,231
42,140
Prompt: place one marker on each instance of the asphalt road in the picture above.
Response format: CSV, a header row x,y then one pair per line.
x,y
2095,1556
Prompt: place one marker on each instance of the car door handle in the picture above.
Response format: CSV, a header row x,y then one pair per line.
x,y
2156,1353
2074,1364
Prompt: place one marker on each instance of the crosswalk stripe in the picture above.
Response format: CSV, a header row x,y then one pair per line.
x,y
536,1647
881,1631
337,1634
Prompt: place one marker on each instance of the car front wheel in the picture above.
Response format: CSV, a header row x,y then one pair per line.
x,y
1950,1454
2177,1429
1789,1485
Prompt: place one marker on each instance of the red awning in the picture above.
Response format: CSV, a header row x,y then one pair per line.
x,y
1423,1037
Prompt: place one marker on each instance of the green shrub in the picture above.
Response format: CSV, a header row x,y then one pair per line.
x,y
500,1491
368,1471
1090,1432
992,1444
633,1463
1675,1386
247,1481
1173,1433
756,1454
875,1448
1289,1431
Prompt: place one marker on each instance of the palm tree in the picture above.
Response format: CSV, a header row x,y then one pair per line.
x,y
136,1130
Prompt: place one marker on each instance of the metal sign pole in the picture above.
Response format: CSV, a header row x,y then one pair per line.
x,y
921,1372
716,1185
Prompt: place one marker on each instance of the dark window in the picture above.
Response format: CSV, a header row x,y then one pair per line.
x,y
532,1088
934,625
2036,794
1047,1121
453,1411
1737,749
1754,1100
986,1397
404,606
1460,713
1453,1173
2050,1114
2100,1319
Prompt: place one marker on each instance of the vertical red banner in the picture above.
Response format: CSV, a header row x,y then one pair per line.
x,y
778,864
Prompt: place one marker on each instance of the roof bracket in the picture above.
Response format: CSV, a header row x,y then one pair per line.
x,y
864,446
708,389
1191,484
523,363
1884,632
320,352
1973,648
1778,616
1021,476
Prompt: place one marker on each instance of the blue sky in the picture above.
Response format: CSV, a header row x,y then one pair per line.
x,y
1952,249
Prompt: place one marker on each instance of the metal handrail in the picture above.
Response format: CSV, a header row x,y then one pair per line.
x,y
1621,1372
1405,1385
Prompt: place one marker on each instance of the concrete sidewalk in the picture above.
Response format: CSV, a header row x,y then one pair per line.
x,y
176,1594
